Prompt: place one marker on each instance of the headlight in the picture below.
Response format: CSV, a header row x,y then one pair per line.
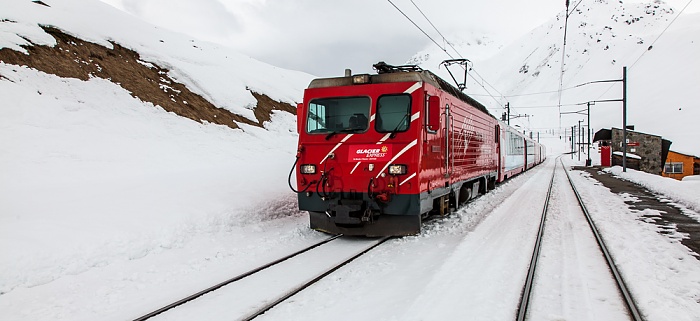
x,y
308,169
360,79
397,169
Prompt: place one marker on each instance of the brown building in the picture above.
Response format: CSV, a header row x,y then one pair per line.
x,y
645,152
679,165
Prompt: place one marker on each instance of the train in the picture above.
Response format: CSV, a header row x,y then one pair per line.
x,y
380,153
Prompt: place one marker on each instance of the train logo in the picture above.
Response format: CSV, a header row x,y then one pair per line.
x,y
363,153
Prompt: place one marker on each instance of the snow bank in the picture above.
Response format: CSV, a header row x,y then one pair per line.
x,y
685,192
92,175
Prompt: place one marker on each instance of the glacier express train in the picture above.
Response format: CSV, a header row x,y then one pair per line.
x,y
379,153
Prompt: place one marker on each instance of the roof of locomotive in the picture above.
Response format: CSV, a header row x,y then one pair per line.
x,y
403,76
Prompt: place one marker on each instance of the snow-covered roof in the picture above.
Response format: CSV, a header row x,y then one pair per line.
x,y
628,155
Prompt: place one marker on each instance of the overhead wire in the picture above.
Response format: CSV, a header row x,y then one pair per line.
x,y
661,34
419,28
434,27
444,49
650,46
563,57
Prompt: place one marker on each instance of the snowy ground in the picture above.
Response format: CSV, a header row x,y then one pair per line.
x,y
111,207
98,231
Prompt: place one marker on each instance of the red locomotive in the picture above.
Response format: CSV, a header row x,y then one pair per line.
x,y
378,153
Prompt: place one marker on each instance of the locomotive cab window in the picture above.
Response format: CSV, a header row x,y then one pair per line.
x,y
393,113
338,115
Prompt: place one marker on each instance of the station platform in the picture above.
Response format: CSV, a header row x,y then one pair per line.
x,y
672,216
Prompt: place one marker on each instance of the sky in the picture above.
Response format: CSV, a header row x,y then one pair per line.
x,y
324,38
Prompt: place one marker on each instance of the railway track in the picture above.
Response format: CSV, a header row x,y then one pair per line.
x,y
527,293
249,295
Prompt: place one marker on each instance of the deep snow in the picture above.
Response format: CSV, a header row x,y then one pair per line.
x,y
111,207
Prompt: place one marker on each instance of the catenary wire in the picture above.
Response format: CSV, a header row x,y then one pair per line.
x,y
650,46
445,50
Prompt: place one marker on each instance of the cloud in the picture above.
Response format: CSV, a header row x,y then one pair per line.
x,y
206,20
323,37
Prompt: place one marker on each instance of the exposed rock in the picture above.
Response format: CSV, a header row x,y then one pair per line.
x,y
75,58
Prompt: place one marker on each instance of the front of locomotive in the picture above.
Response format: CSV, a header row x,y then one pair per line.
x,y
358,156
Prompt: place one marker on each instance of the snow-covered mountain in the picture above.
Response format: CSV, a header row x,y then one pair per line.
x,y
602,37
220,75
96,167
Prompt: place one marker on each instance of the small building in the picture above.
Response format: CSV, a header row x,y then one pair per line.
x,y
650,151
679,165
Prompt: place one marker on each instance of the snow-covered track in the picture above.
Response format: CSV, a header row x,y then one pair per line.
x,y
251,294
232,280
303,286
527,292
527,289
621,285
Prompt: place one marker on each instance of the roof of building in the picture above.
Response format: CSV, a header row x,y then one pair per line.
x,y
684,154
630,155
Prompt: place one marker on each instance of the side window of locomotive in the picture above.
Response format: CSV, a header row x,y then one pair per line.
x,y
341,114
393,113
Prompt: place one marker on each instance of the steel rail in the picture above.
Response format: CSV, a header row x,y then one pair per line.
x,y
621,285
301,287
234,279
527,289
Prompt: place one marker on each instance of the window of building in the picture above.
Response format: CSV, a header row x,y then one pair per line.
x,y
673,168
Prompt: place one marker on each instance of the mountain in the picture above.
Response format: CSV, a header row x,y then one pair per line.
x,y
121,139
90,39
602,37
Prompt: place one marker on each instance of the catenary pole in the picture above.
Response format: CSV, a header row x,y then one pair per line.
x,y
624,119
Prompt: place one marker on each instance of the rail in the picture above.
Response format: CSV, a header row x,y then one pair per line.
x,y
232,280
619,281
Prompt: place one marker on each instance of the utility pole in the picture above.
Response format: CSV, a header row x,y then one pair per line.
x,y
588,145
508,111
624,119
573,140
624,113
563,56
578,146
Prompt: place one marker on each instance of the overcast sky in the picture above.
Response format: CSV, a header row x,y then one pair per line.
x,y
323,37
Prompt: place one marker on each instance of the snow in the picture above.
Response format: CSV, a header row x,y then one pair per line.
x,y
630,155
602,37
111,207
219,74
686,192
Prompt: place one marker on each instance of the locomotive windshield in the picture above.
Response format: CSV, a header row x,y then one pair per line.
x,y
336,115
393,113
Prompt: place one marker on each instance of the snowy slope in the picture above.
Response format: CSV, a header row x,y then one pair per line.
x,y
91,175
603,36
219,74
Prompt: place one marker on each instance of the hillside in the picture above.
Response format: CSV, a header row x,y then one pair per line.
x,y
194,79
603,36
112,139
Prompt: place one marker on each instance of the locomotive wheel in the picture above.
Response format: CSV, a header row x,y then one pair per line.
x,y
465,194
